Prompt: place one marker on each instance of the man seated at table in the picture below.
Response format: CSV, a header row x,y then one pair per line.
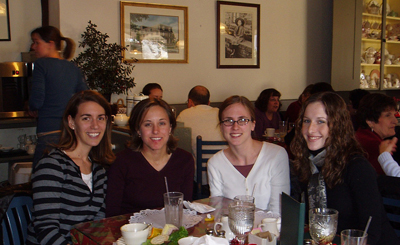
x,y
201,118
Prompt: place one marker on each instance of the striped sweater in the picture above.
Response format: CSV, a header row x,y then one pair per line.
x,y
61,199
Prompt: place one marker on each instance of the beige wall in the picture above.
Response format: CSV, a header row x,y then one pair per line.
x,y
295,46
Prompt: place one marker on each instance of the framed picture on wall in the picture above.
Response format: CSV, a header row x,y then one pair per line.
x,y
238,35
4,21
154,33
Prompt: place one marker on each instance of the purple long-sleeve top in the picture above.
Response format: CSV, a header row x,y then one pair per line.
x,y
134,185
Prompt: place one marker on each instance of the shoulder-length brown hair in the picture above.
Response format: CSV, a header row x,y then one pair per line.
x,y
340,145
102,153
136,119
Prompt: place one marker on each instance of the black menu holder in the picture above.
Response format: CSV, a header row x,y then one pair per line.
x,y
293,215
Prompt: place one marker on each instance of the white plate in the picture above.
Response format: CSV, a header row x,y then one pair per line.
x,y
6,149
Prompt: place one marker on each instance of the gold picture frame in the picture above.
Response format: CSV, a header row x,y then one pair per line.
x,y
154,33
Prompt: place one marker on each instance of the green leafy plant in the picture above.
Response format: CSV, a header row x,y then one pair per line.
x,y
102,63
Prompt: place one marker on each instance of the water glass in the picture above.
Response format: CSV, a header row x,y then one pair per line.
x,y
282,128
244,198
173,207
353,237
323,224
241,219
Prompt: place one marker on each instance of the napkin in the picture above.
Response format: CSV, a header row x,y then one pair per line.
x,y
199,207
210,240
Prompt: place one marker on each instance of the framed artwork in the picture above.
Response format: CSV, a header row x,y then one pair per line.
x,y
154,33
238,35
4,21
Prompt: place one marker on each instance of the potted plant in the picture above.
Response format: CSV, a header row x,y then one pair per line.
x,y
102,63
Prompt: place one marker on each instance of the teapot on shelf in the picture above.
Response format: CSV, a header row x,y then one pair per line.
x,y
121,119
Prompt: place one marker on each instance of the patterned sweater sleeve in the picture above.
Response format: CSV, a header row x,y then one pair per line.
x,y
47,187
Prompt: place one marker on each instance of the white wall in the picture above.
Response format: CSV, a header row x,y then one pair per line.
x,y
24,17
295,47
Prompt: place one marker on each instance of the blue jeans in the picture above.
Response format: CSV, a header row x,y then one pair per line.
x,y
44,145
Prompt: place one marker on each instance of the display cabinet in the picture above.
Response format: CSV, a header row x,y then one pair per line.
x,y
365,45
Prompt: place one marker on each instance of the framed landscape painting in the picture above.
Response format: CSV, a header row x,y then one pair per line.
x,y
154,33
238,35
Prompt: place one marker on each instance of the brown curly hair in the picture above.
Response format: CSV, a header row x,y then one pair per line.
x,y
340,145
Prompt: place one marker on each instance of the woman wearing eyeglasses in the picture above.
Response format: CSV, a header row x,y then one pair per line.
x,y
247,166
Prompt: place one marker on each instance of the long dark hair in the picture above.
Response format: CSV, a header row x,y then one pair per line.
x,y
51,33
136,118
102,153
340,145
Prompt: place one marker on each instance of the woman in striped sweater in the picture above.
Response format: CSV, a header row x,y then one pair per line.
x,y
69,184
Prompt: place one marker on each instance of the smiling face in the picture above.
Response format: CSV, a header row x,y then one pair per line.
x,y
41,48
155,129
315,129
89,124
156,94
385,127
236,134
273,104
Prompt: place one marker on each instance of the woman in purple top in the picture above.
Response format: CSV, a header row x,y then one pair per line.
x,y
136,180
267,115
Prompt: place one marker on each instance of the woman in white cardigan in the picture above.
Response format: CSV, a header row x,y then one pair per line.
x,y
247,166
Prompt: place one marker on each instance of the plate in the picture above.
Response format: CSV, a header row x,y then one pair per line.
x,y
6,149
375,74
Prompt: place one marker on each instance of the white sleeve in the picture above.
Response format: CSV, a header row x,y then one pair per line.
x,y
214,178
389,165
280,181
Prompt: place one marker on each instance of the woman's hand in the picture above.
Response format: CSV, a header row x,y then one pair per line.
x,y
388,145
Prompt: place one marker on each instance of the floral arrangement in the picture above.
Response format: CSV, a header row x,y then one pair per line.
x,y
102,63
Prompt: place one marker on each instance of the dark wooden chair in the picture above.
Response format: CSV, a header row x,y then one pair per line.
x,y
202,156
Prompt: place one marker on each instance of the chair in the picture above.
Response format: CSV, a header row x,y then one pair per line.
x,y
16,219
393,212
202,156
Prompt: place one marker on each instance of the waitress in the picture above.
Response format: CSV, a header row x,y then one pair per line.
x,y
54,81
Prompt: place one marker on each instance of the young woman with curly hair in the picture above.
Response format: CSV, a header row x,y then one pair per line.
x,y
332,170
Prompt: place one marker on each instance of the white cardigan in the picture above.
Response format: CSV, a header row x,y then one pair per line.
x,y
269,175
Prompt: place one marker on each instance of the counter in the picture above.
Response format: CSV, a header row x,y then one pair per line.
x,y
17,123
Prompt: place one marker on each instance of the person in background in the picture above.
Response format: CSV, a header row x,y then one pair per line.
x,y
267,115
69,184
54,81
200,116
321,87
247,166
136,180
332,171
202,119
376,117
153,90
293,110
355,97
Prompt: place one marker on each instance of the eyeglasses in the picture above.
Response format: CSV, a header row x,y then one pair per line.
x,y
240,122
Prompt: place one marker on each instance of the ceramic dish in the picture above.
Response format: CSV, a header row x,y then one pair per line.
x,y
187,240
375,74
6,149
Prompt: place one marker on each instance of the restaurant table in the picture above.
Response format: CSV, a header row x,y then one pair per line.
x,y
107,231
